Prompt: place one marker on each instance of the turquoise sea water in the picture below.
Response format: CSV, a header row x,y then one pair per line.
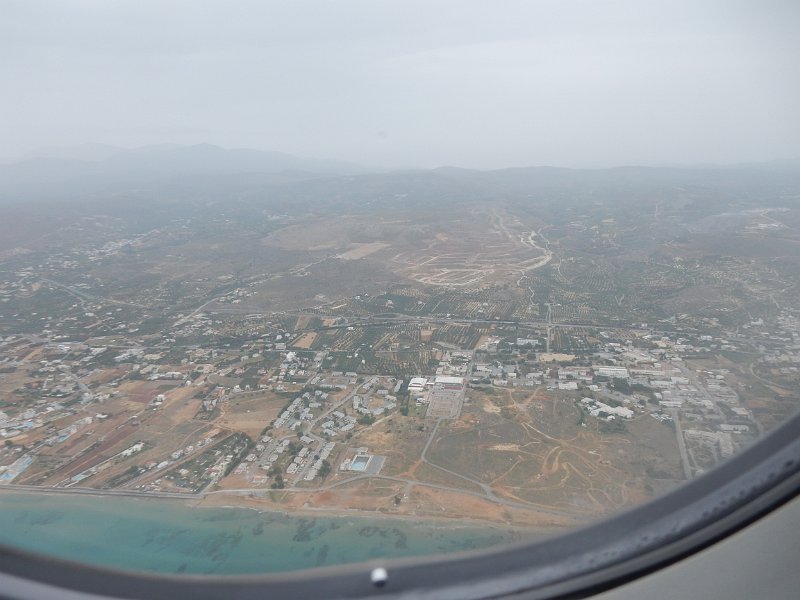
x,y
170,536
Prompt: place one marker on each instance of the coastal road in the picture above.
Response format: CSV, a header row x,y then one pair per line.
x,y
93,492
241,491
413,482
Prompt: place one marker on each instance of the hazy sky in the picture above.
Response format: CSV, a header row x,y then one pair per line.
x,y
409,83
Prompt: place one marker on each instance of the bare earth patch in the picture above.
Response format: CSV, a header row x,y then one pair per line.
x,y
361,250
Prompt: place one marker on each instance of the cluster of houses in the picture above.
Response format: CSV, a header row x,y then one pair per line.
x,y
268,452
601,410
363,405
305,455
338,423
301,409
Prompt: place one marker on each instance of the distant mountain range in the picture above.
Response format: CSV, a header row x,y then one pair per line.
x,y
96,172
95,169
167,157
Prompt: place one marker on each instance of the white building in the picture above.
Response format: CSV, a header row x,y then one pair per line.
x,y
617,372
417,384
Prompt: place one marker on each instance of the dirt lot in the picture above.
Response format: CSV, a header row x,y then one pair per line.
x,y
362,250
529,447
399,439
305,341
431,502
250,412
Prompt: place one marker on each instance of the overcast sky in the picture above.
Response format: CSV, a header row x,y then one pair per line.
x,y
409,83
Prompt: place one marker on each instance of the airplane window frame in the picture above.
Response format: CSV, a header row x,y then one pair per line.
x,y
576,564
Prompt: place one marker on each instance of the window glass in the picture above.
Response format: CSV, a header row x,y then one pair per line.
x,y
286,285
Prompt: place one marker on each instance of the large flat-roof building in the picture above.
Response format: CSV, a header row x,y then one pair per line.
x,y
617,372
417,384
445,380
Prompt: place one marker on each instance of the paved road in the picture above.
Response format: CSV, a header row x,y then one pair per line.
x,y
81,295
414,482
399,319
93,492
687,469
240,491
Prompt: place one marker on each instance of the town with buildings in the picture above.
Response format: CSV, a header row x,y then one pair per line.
x,y
269,415
508,369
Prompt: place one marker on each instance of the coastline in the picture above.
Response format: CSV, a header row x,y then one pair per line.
x,y
153,534
261,506
249,501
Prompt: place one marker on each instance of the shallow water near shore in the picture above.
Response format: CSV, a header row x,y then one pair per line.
x,y
169,536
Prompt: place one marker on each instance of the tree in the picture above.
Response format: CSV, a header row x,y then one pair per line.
x,y
324,469
615,426
621,385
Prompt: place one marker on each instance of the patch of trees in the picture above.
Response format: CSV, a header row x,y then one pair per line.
x,y
615,426
620,385
324,469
